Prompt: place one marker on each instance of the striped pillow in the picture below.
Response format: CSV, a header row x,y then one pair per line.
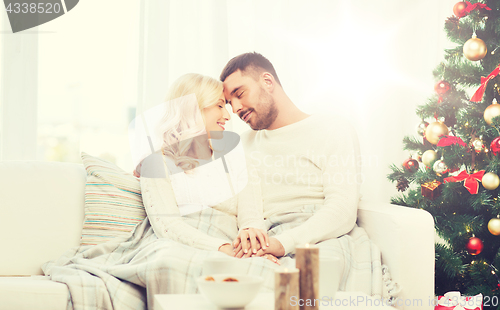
x,y
113,202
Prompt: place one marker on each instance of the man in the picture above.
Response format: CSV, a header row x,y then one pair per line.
x,y
307,164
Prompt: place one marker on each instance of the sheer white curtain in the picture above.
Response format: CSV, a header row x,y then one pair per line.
x,y
369,60
18,97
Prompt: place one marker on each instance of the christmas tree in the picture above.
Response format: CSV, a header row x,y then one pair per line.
x,y
454,164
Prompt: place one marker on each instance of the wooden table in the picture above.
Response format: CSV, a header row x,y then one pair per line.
x,y
265,301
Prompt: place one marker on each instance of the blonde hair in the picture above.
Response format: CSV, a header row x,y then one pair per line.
x,y
182,122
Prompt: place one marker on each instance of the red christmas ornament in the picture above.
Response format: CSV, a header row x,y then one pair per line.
x,y
474,246
410,165
460,9
495,146
442,87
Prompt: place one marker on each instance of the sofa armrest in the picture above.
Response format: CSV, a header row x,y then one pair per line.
x,y
42,212
405,237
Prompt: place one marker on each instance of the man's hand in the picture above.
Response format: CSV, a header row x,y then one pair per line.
x,y
251,239
227,248
275,248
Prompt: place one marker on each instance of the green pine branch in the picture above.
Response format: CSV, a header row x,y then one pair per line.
x,y
413,144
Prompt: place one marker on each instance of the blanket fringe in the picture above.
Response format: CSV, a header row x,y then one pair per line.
x,y
392,289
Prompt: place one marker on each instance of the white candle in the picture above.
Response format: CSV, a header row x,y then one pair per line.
x,y
329,276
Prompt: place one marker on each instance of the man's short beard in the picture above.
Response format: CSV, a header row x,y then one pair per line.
x,y
267,111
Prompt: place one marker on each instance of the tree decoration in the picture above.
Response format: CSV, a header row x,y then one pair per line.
x,y
402,184
490,181
475,49
429,157
494,226
495,146
474,246
453,20
440,167
471,180
431,189
451,140
478,145
410,165
460,9
478,95
434,131
417,156
421,127
442,88
491,111
476,6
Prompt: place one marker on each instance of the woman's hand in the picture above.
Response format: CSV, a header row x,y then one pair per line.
x,y
275,248
227,248
250,240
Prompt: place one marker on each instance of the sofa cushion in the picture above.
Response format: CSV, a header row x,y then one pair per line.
x,y
113,202
28,293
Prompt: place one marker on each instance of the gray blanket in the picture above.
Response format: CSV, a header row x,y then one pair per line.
x,y
127,275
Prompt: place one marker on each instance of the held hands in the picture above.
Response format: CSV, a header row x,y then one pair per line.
x,y
229,250
249,243
275,249
250,240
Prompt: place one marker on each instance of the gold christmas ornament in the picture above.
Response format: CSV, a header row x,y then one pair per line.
x,y
491,111
490,181
434,131
429,157
475,49
494,226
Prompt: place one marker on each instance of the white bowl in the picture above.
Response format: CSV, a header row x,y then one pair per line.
x,y
230,294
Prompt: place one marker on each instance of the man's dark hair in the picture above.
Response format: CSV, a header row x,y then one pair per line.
x,y
249,63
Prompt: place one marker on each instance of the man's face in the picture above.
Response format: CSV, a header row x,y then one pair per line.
x,y
250,100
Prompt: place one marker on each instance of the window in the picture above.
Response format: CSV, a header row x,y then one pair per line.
x,y
87,82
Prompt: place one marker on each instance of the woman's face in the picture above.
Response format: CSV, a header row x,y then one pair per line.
x,y
216,116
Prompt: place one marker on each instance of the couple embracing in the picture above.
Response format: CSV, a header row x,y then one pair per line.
x,y
300,187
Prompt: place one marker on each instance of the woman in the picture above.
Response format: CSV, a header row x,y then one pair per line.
x,y
195,117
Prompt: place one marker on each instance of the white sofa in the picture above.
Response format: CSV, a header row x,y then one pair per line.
x,y
41,215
